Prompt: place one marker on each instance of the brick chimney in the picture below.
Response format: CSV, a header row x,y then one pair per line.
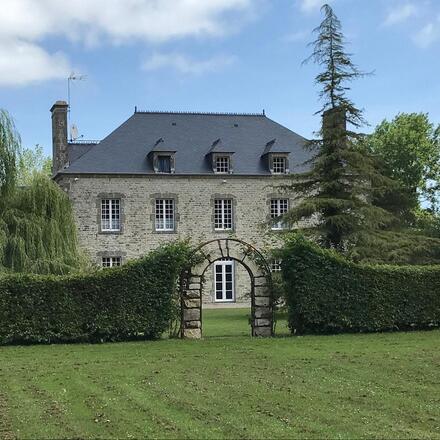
x,y
59,136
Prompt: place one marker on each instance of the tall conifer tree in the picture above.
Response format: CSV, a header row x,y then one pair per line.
x,y
334,194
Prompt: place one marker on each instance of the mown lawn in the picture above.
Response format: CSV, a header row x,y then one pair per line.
x,y
347,386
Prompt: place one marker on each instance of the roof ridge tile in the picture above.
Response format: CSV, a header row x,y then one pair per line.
x,y
165,112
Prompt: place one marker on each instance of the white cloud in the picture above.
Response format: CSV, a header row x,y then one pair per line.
x,y
118,20
312,5
400,13
429,34
22,63
26,23
186,65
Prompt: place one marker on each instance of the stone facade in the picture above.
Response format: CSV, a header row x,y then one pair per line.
x,y
193,197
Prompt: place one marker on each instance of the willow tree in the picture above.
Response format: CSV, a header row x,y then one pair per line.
x,y
9,149
334,195
37,229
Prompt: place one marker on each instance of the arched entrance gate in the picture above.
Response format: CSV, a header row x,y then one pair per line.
x,y
192,278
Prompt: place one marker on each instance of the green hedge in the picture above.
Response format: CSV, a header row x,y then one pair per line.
x,y
133,301
325,293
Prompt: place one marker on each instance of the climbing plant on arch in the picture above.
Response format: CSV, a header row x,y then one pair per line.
x,y
192,278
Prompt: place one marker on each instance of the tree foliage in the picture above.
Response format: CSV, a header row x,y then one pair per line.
x,y
10,145
408,148
37,228
32,161
335,194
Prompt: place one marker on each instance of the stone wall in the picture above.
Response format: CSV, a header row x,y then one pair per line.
x,y
193,197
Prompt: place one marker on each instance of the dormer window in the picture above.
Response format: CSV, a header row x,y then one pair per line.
x,y
162,157
222,165
163,163
276,157
220,157
279,165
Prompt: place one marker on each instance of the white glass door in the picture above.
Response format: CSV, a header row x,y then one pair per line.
x,y
224,281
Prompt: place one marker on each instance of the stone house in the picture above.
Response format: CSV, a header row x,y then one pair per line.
x,y
163,176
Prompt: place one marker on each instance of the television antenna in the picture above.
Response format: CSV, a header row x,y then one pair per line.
x,y
73,132
72,77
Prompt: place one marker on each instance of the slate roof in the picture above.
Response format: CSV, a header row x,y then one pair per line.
x,y
191,135
76,150
219,147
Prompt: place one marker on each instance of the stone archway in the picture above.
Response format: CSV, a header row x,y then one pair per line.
x,y
192,278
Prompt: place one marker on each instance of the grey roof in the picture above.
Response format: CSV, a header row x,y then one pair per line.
x,y
191,135
274,146
161,146
76,150
219,147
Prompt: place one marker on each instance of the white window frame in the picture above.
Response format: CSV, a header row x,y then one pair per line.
x,y
164,219
222,164
223,220
107,262
223,263
275,265
110,215
278,207
279,165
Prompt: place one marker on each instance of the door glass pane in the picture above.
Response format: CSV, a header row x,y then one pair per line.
x,y
223,280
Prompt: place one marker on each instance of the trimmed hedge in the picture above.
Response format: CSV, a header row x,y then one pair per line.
x,y
132,301
325,293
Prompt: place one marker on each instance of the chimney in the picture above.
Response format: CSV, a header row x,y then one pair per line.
x,y
59,136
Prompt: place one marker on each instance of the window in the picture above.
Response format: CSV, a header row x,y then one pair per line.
x,y
223,214
164,215
164,164
110,215
278,207
111,261
279,165
222,164
275,266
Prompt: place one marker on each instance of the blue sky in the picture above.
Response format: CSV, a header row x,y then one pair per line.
x,y
208,55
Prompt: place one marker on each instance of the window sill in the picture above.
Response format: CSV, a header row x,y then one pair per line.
x,y
110,232
165,232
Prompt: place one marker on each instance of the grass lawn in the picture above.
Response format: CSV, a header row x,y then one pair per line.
x,y
347,386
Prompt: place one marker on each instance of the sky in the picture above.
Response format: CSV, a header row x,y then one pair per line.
x,y
208,55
